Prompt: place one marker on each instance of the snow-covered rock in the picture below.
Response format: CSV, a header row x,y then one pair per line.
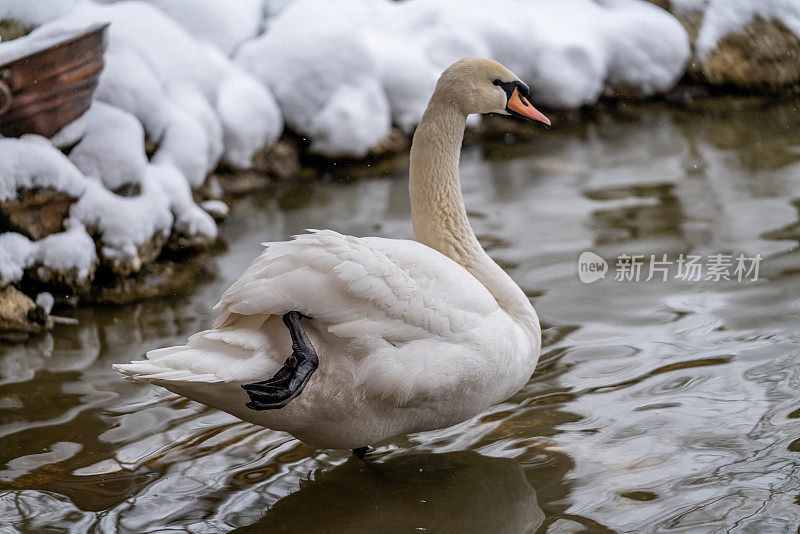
x,y
248,112
216,208
724,17
32,162
109,145
751,44
66,259
323,75
193,227
342,71
130,230
16,255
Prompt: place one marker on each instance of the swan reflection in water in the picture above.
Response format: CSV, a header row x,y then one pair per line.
x,y
459,492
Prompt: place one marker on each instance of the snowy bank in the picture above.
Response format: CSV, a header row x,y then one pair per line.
x,y
127,231
344,71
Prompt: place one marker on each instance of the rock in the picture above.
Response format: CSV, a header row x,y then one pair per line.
x,y
160,279
241,182
663,4
146,253
182,244
394,143
60,281
281,160
13,29
35,213
19,315
763,57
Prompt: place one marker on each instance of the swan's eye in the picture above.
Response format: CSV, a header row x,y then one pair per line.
x,y
497,82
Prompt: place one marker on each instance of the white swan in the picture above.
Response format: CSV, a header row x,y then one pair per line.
x,y
395,336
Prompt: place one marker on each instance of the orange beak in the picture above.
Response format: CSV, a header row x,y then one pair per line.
x,y
519,105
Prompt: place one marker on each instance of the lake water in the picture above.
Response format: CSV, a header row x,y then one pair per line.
x,y
657,405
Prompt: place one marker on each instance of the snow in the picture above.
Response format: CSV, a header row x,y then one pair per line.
x,y
216,208
723,17
344,71
17,48
323,75
35,12
249,114
67,251
687,7
32,161
70,250
189,218
123,224
110,145
223,24
635,59
16,255
45,301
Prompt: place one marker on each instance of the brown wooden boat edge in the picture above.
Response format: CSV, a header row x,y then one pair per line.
x,y
98,29
45,90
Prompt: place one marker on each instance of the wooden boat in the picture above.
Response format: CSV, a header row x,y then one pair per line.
x,y
44,91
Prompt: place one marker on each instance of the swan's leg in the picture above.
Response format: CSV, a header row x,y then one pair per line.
x,y
362,451
290,379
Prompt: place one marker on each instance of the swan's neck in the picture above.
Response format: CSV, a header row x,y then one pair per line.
x,y
437,206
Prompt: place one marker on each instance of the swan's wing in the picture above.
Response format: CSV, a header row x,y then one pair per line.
x,y
373,295
359,287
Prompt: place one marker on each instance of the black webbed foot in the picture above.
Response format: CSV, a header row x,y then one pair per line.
x,y
290,379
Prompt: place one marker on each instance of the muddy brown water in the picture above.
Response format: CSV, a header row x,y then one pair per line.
x,y
656,406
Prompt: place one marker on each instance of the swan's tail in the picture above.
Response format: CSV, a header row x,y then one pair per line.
x,y
159,367
229,354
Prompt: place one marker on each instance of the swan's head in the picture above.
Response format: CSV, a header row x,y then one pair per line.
x,y
477,85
